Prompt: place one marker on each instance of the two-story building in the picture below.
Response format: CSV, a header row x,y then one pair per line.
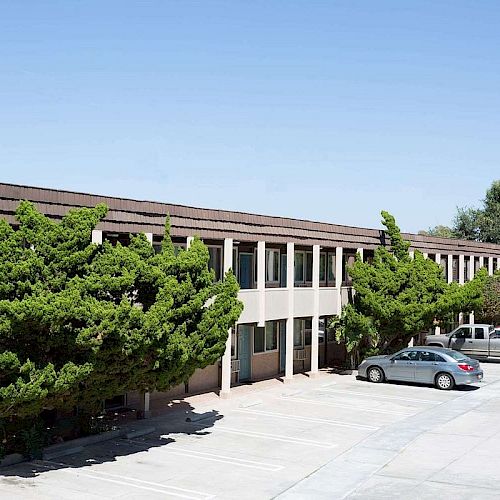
x,y
292,274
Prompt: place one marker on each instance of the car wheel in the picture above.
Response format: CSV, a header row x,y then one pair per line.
x,y
375,375
444,381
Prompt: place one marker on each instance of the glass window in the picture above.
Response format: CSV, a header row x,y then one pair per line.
x,y
309,266
322,267
298,333
299,267
234,352
307,331
457,355
331,263
215,261
259,340
283,271
466,268
464,333
427,356
271,335
478,333
407,356
272,265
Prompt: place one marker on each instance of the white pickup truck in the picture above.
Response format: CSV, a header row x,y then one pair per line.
x,y
477,341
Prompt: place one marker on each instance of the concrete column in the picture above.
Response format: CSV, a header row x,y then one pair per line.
x,y
97,237
315,317
437,330
189,240
498,263
360,251
261,281
472,260
460,318
481,262
471,318
490,266
339,255
226,358
290,275
412,256
426,255
461,269
450,268
146,396
437,258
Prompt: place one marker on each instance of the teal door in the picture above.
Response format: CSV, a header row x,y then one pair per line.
x,y
246,270
244,351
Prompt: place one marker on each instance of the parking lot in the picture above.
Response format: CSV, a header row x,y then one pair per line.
x,y
326,437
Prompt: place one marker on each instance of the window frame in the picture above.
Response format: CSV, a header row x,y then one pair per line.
x,y
221,261
276,266
264,332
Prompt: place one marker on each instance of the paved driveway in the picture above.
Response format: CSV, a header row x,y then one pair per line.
x,y
328,437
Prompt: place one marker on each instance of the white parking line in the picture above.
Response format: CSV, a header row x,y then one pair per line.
x,y
379,396
310,419
342,405
276,437
126,481
213,457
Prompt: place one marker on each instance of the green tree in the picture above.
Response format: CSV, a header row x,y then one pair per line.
x,y
439,232
481,224
398,296
490,309
81,322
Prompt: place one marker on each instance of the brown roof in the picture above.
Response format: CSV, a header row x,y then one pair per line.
x,y
134,216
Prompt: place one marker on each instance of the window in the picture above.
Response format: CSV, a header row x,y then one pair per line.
x,y
478,333
266,339
348,261
464,333
426,356
298,333
322,267
283,270
234,350
466,268
309,266
455,269
476,264
215,261
272,266
407,356
259,340
299,267
303,267
246,270
307,331
331,263
271,335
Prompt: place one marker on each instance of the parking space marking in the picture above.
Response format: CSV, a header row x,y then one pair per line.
x,y
380,396
276,437
214,457
126,481
337,423
349,407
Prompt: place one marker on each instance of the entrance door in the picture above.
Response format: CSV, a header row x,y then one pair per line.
x,y
244,351
282,346
246,270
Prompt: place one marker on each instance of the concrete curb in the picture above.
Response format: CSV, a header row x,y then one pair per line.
x,y
77,445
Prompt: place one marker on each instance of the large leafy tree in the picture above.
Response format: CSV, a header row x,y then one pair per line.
x,y
439,231
481,224
490,309
81,322
398,296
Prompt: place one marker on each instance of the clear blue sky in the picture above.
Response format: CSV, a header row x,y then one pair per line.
x,y
326,110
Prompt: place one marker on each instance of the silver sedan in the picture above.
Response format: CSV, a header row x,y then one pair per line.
x,y
444,368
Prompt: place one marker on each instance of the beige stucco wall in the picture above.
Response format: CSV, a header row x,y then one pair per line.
x,y
207,378
265,365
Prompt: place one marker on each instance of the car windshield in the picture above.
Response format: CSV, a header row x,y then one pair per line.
x,y
456,355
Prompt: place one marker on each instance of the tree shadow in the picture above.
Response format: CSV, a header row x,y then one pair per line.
x,y
179,420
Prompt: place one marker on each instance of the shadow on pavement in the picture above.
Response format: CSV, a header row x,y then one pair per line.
x,y
180,420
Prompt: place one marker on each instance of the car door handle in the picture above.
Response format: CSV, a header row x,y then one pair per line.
x,y
469,341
